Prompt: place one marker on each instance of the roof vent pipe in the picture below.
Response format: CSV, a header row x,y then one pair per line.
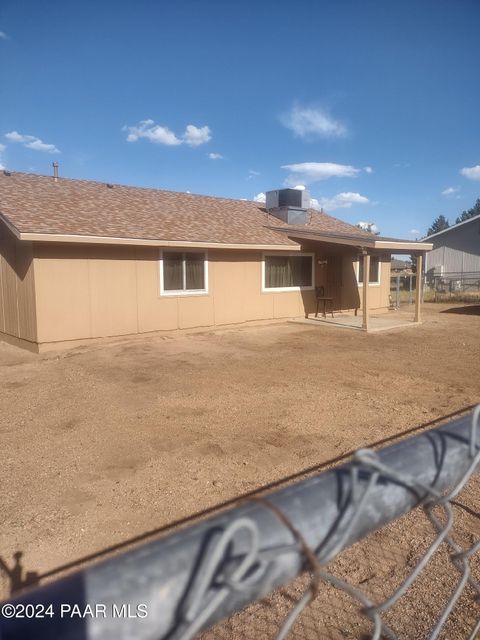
x,y
55,170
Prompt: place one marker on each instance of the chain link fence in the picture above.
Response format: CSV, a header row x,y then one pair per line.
x,y
387,570
452,287
402,289
386,546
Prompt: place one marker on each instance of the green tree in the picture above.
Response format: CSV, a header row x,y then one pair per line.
x,y
439,224
413,260
474,211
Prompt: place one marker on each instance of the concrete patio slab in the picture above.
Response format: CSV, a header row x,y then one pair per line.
x,y
383,322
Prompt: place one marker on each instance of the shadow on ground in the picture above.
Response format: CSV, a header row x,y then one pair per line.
x,y
468,310
14,577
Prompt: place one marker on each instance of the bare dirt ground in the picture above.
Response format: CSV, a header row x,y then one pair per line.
x,y
103,443
377,566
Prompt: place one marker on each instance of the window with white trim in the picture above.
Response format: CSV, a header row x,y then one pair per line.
x,y
288,271
374,275
183,272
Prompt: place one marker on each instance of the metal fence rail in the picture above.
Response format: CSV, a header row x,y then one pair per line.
x,y
402,289
200,575
461,286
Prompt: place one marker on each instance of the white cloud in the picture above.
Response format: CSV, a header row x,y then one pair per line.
x,y
153,132
193,136
2,149
308,172
3,36
38,145
449,191
215,156
31,142
368,169
14,136
252,174
472,173
414,232
342,200
308,122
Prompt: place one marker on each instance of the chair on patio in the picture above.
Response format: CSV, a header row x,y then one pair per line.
x,y
321,297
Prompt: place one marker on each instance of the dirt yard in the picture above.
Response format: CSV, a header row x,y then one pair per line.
x,y
103,443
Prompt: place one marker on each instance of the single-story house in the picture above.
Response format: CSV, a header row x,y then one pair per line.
x,y
82,260
456,250
401,267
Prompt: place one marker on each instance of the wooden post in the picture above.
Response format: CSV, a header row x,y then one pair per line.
x,y
366,278
418,287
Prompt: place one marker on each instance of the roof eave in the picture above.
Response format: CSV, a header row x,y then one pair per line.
x,y
317,236
12,228
148,242
356,241
401,245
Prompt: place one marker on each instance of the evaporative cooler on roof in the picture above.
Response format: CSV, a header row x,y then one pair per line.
x,y
288,205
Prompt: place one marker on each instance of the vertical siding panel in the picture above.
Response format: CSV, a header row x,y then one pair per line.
x,y
62,293
113,291
2,303
27,318
17,289
9,288
457,249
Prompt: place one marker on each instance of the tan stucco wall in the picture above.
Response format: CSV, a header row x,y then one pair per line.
x,y
17,290
92,291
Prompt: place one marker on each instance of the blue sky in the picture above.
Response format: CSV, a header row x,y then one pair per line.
x,y
374,105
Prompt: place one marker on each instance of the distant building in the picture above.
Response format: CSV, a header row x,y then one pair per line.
x,y
401,267
456,249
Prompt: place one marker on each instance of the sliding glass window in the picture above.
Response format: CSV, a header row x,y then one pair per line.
x,y
183,272
374,275
288,271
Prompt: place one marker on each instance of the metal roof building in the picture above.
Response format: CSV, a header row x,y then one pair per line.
x,y
456,249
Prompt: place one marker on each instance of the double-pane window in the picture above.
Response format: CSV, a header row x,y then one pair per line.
x,y
374,275
284,272
183,271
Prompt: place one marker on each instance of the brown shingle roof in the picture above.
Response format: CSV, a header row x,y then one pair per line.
x,y
38,204
318,221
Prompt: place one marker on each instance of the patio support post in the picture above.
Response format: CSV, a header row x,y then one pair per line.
x,y
418,287
366,277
